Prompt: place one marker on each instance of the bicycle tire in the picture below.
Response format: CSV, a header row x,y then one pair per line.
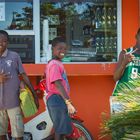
x,y
86,134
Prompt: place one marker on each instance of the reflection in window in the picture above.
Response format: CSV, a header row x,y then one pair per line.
x,y
18,15
90,28
24,46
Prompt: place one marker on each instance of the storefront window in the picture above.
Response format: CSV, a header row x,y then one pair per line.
x,y
24,46
16,15
89,27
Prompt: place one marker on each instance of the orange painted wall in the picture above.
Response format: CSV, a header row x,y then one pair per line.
x,y
91,86
130,22
91,93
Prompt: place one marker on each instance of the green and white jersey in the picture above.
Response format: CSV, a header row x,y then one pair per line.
x,y
131,76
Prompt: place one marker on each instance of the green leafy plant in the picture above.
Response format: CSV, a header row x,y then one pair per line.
x,y
124,124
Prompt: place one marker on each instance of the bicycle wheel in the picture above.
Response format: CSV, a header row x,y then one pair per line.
x,y
85,134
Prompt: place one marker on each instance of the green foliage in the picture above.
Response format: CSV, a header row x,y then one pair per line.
x,y
124,125
124,87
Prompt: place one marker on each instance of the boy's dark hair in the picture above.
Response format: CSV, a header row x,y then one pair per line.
x,y
4,33
57,40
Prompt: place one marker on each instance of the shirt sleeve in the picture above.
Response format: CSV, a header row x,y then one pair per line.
x,y
55,73
20,66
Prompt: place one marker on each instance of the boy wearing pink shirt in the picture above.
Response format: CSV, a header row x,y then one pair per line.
x,y
58,100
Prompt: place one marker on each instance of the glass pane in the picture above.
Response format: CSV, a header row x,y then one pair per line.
x,y
24,46
90,28
18,15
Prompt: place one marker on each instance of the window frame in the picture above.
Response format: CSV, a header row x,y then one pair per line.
x,y
119,37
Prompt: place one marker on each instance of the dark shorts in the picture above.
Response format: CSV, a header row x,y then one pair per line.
x,y
59,114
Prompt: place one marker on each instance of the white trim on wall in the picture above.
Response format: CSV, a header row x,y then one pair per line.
x,y
119,26
20,32
36,23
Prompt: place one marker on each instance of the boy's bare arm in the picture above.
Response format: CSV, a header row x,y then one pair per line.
x,y
124,59
60,87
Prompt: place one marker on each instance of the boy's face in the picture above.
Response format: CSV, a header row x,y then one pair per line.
x,y
3,43
60,50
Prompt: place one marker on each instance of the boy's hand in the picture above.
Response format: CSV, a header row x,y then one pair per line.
x,y
128,58
3,77
71,109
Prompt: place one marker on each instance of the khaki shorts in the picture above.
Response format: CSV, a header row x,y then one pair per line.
x,y
16,122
